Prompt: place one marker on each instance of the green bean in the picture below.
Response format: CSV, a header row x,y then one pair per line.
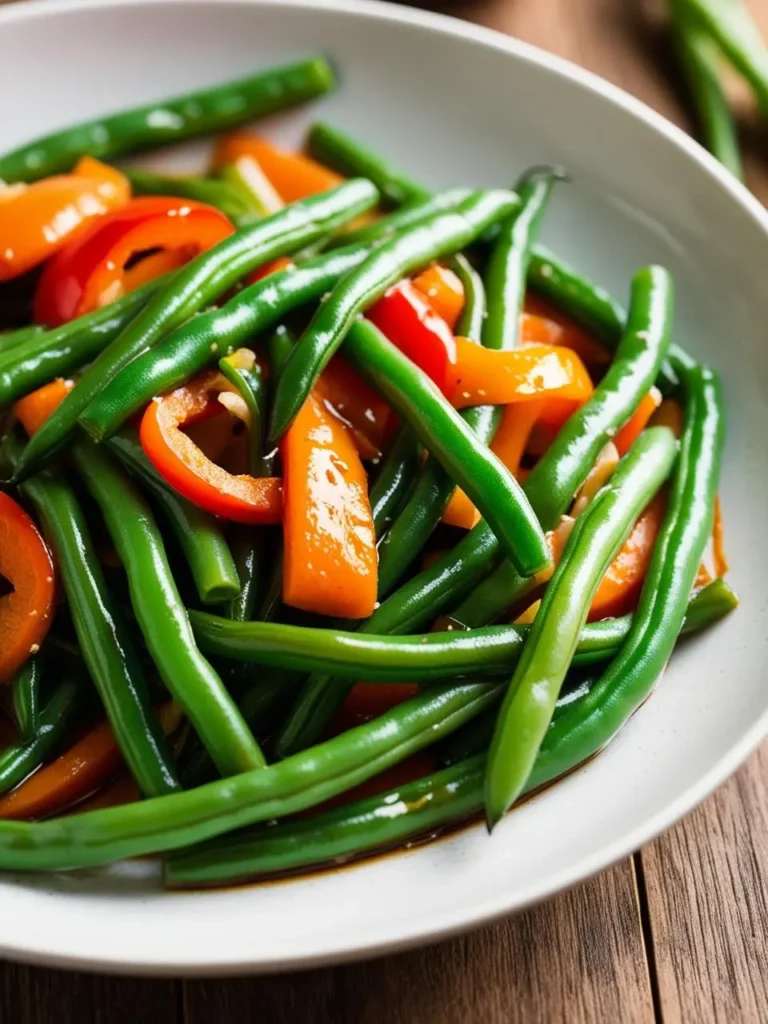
x,y
25,686
732,27
58,352
548,651
400,814
103,637
11,339
399,468
591,306
300,782
426,657
387,228
172,120
221,194
161,616
447,437
199,283
510,255
554,481
440,235
699,59
198,533
57,721
498,325
337,835
348,156
249,544
631,676
204,339
411,608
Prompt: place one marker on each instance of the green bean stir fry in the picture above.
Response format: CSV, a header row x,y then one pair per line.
x,y
318,486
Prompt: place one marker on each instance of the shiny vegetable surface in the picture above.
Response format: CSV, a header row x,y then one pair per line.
x,y
549,647
202,281
161,616
441,235
174,119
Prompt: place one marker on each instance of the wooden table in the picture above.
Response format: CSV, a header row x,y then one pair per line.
x,y
676,933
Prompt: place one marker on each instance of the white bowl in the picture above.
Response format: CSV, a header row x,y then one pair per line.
x,y
452,104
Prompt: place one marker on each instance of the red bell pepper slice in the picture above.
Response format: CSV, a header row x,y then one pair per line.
x,y
406,317
176,457
38,219
91,271
25,613
330,561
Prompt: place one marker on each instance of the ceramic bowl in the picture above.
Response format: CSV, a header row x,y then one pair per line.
x,y
452,104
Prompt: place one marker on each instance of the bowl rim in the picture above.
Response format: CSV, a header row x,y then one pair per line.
x,y
449,923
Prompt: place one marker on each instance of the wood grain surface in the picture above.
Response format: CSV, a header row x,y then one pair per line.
x,y
677,933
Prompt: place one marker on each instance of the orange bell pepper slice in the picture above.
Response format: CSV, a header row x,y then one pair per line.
x,y
90,272
638,421
34,409
718,542
176,457
26,613
38,219
509,444
486,377
544,325
294,176
330,561
361,408
669,414
444,292
69,778
620,587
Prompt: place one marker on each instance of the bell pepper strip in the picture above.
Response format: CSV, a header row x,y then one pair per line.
x,y
669,414
39,219
72,776
406,316
90,272
544,324
489,377
293,176
330,561
638,421
26,613
152,267
620,587
82,770
443,291
34,409
603,469
369,418
243,499
509,444
718,542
